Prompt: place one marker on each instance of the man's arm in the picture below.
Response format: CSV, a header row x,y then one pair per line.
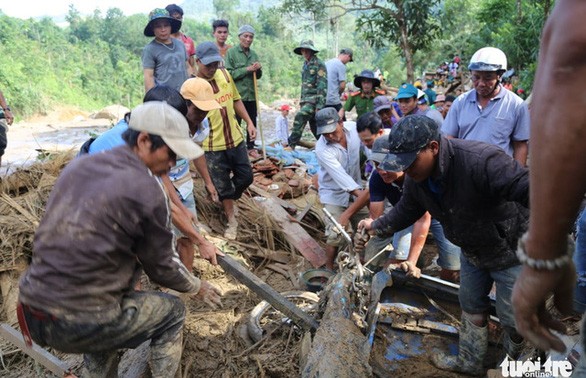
x,y
558,182
7,111
242,113
361,201
202,168
149,78
342,87
520,151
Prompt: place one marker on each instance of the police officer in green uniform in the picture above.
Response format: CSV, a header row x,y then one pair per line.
x,y
314,87
364,98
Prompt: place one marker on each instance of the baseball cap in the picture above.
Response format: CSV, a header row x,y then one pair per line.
x,y
284,107
207,52
440,98
381,102
406,91
200,93
326,120
407,138
160,118
380,149
347,51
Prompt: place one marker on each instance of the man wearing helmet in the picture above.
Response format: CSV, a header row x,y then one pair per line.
x,y
489,112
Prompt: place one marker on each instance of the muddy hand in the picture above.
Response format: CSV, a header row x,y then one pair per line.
x,y
360,240
209,252
410,268
210,294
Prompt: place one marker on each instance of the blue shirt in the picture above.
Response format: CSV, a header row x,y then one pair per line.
x,y
109,139
505,119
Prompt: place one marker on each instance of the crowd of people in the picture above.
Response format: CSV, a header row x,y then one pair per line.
x,y
455,166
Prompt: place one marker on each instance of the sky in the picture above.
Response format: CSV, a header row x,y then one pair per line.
x,y
54,8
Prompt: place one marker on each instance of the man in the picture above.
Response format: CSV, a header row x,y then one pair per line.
x,y
363,98
225,150
177,181
108,217
176,12
558,127
164,59
447,105
425,109
480,196
429,92
6,119
243,64
220,33
387,111
439,103
489,112
412,101
338,156
314,85
336,68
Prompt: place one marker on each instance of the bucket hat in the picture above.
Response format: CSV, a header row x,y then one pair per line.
x,y
305,44
366,74
157,14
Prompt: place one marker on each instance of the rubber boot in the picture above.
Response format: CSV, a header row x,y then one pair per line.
x,y
450,275
473,346
166,357
512,349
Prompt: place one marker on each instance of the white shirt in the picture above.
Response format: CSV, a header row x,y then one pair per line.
x,y
339,167
281,129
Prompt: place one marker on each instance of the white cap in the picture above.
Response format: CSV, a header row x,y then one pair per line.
x,y
159,118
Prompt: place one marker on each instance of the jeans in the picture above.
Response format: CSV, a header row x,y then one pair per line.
x,y
144,316
580,262
476,284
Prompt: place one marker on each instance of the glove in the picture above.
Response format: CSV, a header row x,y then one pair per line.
x,y
410,268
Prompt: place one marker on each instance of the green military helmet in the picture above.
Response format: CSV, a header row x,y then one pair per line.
x,y
305,44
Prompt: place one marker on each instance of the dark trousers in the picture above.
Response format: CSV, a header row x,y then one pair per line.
x,y
145,316
252,113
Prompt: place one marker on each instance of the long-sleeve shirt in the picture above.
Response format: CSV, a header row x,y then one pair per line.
x,y
107,217
314,83
339,167
236,62
480,196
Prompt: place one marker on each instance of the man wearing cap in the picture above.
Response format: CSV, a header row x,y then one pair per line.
x,y
243,64
336,68
388,111
363,99
282,125
480,196
338,156
176,12
314,87
178,182
164,59
106,220
225,150
410,99
489,112
439,102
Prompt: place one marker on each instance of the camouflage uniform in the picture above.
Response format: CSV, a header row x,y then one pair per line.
x,y
314,87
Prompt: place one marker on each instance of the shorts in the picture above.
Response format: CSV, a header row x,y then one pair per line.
x,y
3,139
230,171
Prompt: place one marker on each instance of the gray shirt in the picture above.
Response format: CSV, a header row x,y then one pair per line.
x,y
336,74
107,217
168,62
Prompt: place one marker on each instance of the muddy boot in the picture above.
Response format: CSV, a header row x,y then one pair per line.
x,y
473,346
166,357
512,349
450,275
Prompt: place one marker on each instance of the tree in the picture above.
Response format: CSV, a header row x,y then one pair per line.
x,y
410,24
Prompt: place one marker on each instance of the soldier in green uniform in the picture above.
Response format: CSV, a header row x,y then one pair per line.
x,y
314,87
364,98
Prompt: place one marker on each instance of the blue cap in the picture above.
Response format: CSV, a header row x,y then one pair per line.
x,y
406,91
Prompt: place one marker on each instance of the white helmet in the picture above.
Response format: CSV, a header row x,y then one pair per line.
x,y
488,59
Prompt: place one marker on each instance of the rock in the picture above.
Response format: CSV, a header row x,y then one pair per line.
x,y
112,112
